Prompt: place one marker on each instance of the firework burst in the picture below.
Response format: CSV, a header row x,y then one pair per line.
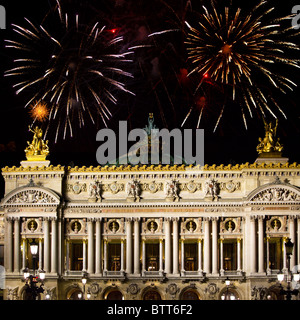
x,y
242,53
39,111
76,69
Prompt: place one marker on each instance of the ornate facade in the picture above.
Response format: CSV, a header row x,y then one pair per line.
x,y
151,232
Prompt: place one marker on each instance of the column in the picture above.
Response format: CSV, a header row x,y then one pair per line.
x,y
298,240
167,246
253,245
261,244
67,255
40,254
105,257
200,256
175,247
239,265
182,256
206,257
161,267
122,255
129,246
9,251
284,268
46,246
98,246
222,271
91,260
292,236
143,256
24,245
17,245
268,256
60,242
84,255
53,246
214,246
136,246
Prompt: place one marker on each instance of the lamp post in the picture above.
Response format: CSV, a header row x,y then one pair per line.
x,y
31,288
81,295
227,295
289,245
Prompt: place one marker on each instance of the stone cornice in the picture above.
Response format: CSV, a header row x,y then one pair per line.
x,y
33,169
152,168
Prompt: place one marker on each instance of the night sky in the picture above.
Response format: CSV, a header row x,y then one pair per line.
x,y
164,96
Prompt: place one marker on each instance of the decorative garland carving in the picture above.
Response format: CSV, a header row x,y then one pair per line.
x,y
152,187
230,186
190,186
77,187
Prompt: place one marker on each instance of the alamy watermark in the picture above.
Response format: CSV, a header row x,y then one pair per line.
x,y
296,18
2,17
152,146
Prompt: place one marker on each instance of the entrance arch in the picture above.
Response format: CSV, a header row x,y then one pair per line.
x,y
114,295
73,294
152,294
190,294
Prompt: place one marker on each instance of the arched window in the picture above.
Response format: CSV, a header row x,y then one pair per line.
x,y
229,294
74,294
190,295
115,295
152,295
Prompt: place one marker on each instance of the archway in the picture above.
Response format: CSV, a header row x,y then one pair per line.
x,y
190,294
273,293
114,295
74,294
152,295
229,294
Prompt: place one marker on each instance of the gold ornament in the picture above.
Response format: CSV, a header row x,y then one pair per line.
x,y
270,145
38,149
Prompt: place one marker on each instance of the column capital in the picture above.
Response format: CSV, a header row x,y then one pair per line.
x,y
135,219
175,219
129,219
260,218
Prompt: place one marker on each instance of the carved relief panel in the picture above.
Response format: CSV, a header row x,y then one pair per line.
x,y
152,226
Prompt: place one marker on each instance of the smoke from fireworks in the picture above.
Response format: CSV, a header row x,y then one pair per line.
x,y
242,54
76,69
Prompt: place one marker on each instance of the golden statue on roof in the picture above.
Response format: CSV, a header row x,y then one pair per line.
x,y
38,149
270,145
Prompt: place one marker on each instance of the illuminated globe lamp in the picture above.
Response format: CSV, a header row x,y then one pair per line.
x,y
82,294
289,276
227,295
32,290
34,248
